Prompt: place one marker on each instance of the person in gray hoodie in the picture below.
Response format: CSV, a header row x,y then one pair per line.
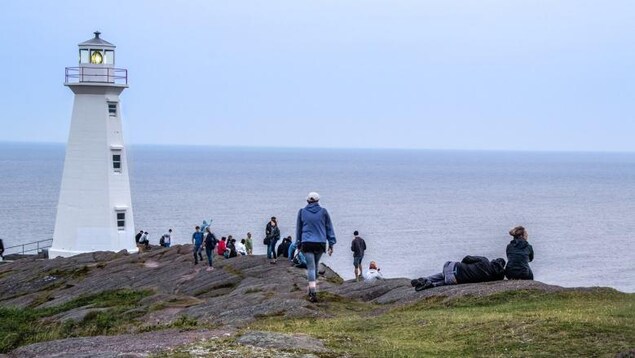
x,y
313,230
519,255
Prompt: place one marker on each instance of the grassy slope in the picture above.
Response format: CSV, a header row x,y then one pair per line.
x,y
521,323
589,323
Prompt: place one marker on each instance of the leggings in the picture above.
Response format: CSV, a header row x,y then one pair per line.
x,y
312,262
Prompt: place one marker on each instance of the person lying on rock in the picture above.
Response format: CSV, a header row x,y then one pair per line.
x,y
471,269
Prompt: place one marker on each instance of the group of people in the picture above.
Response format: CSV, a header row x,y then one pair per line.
x,y
227,247
474,269
315,236
142,239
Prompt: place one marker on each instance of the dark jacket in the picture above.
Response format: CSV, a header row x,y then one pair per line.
x,y
210,241
479,269
358,246
314,225
283,248
519,255
272,232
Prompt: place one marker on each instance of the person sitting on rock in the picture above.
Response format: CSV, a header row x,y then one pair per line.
x,y
144,240
299,260
471,269
240,248
519,255
230,250
283,248
373,273
222,246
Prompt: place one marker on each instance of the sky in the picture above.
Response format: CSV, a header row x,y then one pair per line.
x,y
467,75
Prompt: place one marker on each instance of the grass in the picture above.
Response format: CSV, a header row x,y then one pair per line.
x,y
29,325
521,323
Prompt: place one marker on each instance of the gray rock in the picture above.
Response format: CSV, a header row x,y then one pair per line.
x,y
289,342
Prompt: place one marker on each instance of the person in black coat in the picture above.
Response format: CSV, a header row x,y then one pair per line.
x,y
519,255
471,269
283,248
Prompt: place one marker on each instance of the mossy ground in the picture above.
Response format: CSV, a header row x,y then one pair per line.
x,y
596,322
521,323
23,326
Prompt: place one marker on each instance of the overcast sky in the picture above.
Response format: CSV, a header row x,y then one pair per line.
x,y
526,75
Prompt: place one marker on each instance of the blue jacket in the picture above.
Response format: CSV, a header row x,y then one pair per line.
x,y
197,238
314,225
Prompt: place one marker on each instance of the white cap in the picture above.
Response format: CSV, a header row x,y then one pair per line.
x,y
313,196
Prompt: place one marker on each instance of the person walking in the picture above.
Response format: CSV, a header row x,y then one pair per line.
x,y
209,242
313,230
197,241
272,235
249,244
358,246
519,255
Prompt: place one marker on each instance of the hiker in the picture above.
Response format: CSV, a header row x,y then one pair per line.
x,y
241,249
283,248
197,241
144,240
209,242
222,245
166,239
519,255
272,235
471,269
373,273
358,246
313,230
249,244
138,237
1,249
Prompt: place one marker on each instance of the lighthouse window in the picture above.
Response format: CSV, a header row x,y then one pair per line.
x,y
110,57
83,56
112,109
121,220
116,161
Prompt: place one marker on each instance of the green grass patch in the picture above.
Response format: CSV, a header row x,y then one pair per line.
x,y
520,323
30,325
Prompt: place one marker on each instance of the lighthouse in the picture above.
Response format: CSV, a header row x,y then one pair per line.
x,y
94,211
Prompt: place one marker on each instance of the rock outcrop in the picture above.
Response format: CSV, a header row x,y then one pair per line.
x,y
237,292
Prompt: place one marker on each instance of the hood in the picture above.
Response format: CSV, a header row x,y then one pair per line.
x,y
498,265
313,207
519,243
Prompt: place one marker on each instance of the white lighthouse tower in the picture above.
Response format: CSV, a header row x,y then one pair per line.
x,y
94,212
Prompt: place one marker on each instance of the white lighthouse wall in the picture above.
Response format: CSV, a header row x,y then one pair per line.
x,y
92,191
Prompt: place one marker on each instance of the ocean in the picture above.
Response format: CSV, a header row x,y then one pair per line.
x,y
416,209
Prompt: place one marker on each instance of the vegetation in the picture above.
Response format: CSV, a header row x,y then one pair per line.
x,y
586,322
522,323
30,325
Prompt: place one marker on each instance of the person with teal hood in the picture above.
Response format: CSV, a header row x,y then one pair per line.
x,y
314,230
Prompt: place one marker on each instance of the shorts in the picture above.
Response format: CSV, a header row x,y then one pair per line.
x,y
357,261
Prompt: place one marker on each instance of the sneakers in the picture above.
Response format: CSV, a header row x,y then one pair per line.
x,y
313,297
422,284
209,269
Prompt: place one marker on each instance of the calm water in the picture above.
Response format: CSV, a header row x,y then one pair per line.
x,y
416,209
